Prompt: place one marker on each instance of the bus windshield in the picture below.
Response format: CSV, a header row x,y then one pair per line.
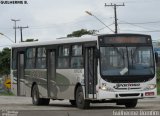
x,y
129,61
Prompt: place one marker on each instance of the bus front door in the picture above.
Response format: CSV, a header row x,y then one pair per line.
x,y
20,74
90,72
51,80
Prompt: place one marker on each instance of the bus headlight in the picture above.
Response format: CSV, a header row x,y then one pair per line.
x,y
150,87
105,88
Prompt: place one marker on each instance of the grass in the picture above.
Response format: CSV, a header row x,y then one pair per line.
x,y
6,93
158,87
158,80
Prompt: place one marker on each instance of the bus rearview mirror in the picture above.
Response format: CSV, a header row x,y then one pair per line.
x,y
97,53
156,57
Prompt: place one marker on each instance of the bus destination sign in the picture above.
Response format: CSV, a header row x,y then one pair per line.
x,y
125,40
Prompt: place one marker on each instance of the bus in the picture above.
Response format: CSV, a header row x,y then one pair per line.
x,y
118,68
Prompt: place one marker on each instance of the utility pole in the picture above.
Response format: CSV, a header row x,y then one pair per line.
x,y
115,14
21,28
15,27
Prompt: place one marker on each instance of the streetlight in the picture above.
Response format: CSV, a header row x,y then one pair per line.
x,y
89,13
15,27
7,37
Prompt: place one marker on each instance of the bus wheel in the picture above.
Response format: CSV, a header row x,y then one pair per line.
x,y
80,101
35,96
131,103
73,102
45,101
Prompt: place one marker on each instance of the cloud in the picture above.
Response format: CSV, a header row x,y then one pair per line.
x,y
50,19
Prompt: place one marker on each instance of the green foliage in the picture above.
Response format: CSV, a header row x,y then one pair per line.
x,y
158,74
31,40
158,87
81,32
6,93
158,80
5,61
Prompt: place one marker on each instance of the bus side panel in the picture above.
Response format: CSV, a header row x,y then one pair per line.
x,y
27,88
66,80
38,76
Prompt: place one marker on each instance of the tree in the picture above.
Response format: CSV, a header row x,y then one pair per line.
x,y
31,40
5,61
81,32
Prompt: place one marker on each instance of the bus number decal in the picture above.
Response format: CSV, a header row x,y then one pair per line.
x,y
78,71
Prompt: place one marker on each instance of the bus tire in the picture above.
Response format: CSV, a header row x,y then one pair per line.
x,y
80,101
131,103
73,102
45,101
36,100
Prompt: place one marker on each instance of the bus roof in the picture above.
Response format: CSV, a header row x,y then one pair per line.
x,y
57,41
85,38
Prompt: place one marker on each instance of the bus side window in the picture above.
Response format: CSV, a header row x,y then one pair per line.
x,y
30,58
76,59
63,56
41,58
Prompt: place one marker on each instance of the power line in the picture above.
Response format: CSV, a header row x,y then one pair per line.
x,y
140,1
137,25
153,22
104,27
147,29
48,27
6,28
155,31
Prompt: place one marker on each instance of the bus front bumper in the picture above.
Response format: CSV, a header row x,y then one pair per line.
x,y
126,94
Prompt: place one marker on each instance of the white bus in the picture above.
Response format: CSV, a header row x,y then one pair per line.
x,y
116,68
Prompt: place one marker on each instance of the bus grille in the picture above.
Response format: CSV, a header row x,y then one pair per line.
x,y
129,95
128,88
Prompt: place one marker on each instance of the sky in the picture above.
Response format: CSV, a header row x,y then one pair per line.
x,y
51,19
